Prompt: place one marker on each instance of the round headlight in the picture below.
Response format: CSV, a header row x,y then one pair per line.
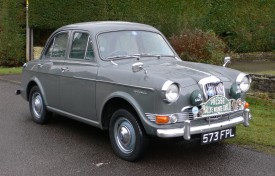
x,y
171,91
245,84
243,81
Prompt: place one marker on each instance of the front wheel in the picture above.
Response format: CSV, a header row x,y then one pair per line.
x,y
127,138
37,107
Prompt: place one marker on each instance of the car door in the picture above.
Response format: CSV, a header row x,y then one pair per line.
x,y
78,78
49,67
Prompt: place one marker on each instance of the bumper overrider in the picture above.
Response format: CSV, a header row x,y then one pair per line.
x,y
187,130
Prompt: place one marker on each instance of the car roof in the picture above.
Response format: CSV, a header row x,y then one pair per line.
x,y
103,26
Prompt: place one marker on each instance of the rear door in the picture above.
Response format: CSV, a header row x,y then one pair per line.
x,y
78,78
49,67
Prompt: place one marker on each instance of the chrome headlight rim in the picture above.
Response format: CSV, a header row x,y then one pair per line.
x,y
168,86
243,81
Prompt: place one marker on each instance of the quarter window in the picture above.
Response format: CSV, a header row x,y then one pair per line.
x,y
57,48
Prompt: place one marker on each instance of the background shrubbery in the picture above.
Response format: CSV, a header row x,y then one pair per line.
x,y
198,46
244,26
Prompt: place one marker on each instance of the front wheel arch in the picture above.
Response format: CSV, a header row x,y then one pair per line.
x,y
114,104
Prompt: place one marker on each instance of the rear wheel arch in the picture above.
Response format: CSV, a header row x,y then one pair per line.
x,y
29,87
31,84
38,110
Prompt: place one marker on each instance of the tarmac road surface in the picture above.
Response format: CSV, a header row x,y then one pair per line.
x,y
67,147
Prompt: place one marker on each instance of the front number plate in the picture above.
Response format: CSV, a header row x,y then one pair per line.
x,y
216,136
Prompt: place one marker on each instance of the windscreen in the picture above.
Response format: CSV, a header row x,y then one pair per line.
x,y
120,43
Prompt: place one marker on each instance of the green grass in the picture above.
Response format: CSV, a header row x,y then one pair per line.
x,y
266,67
260,135
10,71
268,72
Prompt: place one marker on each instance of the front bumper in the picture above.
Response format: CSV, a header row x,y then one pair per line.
x,y
188,130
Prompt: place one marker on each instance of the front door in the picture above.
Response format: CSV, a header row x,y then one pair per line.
x,y
78,78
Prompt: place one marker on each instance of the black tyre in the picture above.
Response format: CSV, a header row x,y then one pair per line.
x,y
37,106
126,135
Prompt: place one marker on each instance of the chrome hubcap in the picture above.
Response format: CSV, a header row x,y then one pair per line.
x,y
37,105
125,135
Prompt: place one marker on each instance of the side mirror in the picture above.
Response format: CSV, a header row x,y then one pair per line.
x,y
226,61
137,66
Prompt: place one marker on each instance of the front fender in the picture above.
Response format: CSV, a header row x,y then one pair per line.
x,y
136,106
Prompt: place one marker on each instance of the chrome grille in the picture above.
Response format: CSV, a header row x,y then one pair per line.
x,y
212,89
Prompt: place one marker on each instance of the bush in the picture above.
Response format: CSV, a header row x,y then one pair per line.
x,y
198,46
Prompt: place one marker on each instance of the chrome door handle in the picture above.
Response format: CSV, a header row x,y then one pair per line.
x,y
40,65
63,69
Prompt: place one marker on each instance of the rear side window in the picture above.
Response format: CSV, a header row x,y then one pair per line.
x,y
81,47
58,46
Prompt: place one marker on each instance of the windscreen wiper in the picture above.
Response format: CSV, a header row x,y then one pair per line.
x,y
147,55
118,57
122,57
152,55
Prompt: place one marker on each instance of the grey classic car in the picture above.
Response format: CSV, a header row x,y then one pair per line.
x,y
126,78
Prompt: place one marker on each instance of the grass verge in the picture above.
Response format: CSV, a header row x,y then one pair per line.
x,y
10,71
269,72
260,135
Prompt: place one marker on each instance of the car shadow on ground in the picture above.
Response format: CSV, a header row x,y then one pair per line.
x,y
158,149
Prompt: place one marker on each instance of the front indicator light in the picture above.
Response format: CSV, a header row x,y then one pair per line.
x,y
246,105
162,119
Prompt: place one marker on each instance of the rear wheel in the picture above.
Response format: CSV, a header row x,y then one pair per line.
x,y
37,107
127,138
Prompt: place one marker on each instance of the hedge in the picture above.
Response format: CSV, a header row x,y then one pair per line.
x,y
12,32
245,26
51,14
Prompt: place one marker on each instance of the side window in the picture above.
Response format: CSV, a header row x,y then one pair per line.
x,y
58,46
81,47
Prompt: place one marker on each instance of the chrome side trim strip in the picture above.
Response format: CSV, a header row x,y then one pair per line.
x,y
88,79
74,117
109,82
126,85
